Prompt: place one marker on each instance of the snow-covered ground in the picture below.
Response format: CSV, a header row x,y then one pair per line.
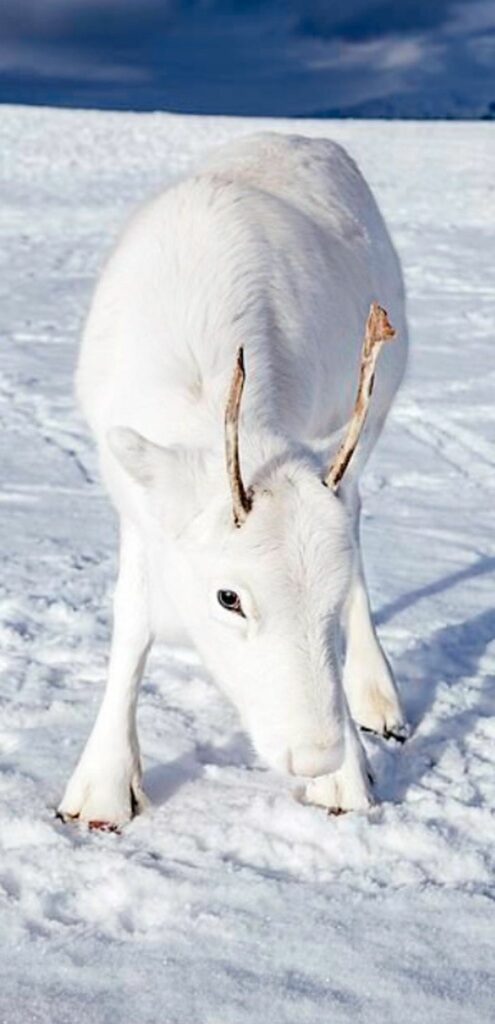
x,y
229,902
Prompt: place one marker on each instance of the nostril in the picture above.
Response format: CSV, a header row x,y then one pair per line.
x,y
311,761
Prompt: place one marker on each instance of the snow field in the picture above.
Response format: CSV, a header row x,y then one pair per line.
x,y
229,902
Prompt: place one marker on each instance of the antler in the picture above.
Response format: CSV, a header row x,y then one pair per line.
x,y
241,500
378,331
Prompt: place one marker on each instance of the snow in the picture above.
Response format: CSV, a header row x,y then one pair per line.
x,y
230,902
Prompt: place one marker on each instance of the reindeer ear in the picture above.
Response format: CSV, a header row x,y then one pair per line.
x,y
143,460
170,477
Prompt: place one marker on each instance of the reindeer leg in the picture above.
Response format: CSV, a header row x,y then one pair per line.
x,y
349,788
105,789
368,680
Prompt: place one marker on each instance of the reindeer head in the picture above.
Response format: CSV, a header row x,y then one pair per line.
x,y
260,576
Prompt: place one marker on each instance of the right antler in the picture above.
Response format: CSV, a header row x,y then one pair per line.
x,y
378,331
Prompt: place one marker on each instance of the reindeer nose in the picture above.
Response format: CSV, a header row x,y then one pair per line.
x,y
311,761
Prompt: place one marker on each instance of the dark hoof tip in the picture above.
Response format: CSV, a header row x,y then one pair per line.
x,y
387,734
65,818
399,737
103,826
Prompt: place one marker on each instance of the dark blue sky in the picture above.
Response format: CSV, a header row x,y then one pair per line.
x,y
282,57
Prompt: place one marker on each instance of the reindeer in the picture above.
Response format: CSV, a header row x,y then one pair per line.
x,y
264,264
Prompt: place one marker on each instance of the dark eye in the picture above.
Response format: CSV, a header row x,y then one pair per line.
x,y
230,601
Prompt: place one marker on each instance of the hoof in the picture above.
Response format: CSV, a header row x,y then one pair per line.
x,y
342,792
94,825
104,801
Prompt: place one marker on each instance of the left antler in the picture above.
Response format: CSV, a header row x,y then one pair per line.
x,y
241,500
378,331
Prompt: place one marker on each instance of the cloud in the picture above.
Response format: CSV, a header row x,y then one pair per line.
x,y
250,56
473,17
357,20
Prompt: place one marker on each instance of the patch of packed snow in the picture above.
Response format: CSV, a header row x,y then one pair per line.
x,y
229,902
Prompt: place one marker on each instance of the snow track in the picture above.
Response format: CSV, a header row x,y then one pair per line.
x,y
461,448
229,902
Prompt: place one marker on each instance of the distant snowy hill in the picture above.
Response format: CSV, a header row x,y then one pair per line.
x,y
229,902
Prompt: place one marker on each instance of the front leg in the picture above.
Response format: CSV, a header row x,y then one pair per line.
x,y
105,788
349,788
368,681
369,685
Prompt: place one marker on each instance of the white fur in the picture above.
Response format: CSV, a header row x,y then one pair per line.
x,y
276,245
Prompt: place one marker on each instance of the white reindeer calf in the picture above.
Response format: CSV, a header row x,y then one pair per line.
x,y
274,250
